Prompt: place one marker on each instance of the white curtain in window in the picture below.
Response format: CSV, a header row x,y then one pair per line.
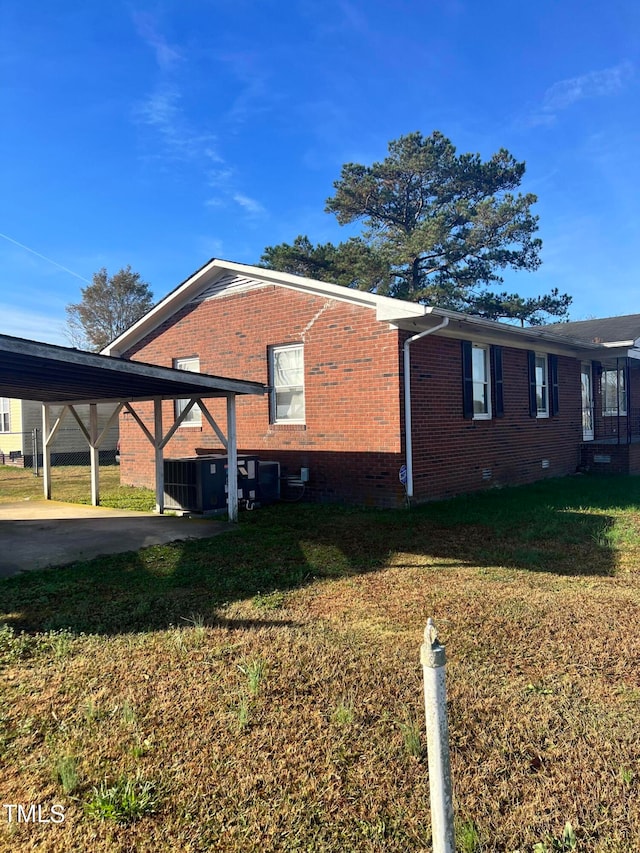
x,y
288,370
288,381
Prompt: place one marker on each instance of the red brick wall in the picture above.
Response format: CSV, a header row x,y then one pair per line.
x,y
351,439
597,458
452,454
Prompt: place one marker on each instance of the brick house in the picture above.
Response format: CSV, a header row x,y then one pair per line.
x,y
487,403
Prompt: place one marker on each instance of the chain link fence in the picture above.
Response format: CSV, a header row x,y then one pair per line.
x,y
22,449
68,448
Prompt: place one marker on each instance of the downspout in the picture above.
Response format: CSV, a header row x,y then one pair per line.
x,y
408,439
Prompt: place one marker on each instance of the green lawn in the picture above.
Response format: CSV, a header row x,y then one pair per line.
x,y
262,690
73,483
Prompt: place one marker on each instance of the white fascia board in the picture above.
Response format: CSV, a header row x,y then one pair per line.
x,y
492,331
385,306
391,310
622,350
398,312
162,311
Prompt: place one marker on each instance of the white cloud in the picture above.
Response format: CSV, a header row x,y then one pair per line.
x,y
181,138
594,84
146,27
162,112
249,204
223,182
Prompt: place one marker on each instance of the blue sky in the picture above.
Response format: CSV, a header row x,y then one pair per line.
x,y
162,134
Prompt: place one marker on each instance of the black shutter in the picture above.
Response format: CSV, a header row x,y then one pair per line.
x,y
554,396
533,405
496,364
467,379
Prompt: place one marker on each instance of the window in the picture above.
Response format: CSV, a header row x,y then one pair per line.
x,y
287,383
482,385
614,392
481,382
542,386
194,418
544,390
4,414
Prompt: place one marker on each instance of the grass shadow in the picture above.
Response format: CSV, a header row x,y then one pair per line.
x,y
563,526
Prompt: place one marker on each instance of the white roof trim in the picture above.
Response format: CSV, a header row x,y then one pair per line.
x,y
615,344
490,330
395,311
386,307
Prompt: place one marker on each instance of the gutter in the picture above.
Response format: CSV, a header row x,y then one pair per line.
x,y
408,438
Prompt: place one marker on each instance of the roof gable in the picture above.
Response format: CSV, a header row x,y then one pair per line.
x,y
219,278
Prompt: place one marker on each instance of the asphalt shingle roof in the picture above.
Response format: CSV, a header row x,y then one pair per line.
x,y
604,330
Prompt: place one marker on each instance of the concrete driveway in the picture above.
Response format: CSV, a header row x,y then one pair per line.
x,y
42,534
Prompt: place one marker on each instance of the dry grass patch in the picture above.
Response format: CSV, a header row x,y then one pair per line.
x,y
262,691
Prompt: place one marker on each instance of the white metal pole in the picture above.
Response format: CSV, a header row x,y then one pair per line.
x,y
36,463
94,454
432,657
46,451
159,456
232,459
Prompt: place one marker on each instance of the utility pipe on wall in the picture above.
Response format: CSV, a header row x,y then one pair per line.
x,y
408,439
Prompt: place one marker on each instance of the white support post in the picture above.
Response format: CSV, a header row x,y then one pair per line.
x,y
34,442
46,451
94,454
432,657
159,456
232,459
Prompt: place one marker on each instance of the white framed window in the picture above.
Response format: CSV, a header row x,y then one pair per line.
x,y
481,374
286,366
542,385
5,414
194,418
614,392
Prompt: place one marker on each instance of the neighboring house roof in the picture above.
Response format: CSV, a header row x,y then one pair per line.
x,y
218,277
611,331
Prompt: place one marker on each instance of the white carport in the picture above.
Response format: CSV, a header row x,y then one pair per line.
x,y
66,377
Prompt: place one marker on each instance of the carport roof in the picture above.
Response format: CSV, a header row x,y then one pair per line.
x,y
30,370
